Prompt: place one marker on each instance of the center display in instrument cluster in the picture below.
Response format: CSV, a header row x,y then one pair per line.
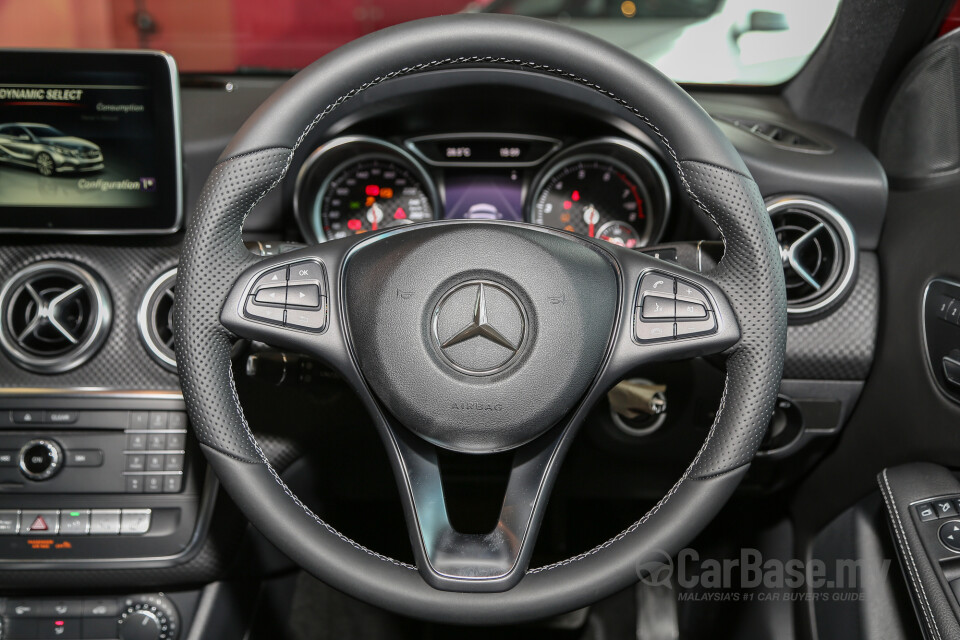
x,y
611,189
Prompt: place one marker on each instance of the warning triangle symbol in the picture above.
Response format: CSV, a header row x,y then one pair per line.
x,y
274,277
39,524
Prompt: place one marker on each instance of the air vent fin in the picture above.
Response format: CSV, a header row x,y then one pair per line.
x,y
56,314
778,135
155,319
819,253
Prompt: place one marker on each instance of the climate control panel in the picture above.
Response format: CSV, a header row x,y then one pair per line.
x,y
136,617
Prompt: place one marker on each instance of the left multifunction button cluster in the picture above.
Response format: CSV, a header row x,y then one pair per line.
x,y
293,295
669,308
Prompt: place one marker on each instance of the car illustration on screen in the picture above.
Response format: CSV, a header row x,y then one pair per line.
x,y
47,149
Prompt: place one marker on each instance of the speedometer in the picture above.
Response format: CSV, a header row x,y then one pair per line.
x,y
609,189
369,195
598,198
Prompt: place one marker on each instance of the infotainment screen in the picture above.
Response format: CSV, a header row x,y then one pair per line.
x,y
89,142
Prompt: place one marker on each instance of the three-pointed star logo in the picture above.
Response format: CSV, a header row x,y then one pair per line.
x,y
479,326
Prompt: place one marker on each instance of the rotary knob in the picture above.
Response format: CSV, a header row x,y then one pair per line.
x,y
40,459
148,617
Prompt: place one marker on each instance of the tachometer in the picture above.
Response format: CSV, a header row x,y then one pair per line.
x,y
607,189
369,195
358,184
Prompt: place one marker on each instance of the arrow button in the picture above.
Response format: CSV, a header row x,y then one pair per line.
x,y
306,296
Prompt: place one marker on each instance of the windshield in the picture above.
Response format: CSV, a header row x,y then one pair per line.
x,y
753,42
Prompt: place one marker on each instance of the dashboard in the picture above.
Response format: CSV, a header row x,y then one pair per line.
x,y
119,497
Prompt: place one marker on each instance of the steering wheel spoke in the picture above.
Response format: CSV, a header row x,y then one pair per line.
x,y
289,301
669,313
476,562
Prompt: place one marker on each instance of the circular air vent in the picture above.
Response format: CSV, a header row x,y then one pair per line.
x,y
155,319
819,253
55,316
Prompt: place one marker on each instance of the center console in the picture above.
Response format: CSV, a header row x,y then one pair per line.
x,y
94,481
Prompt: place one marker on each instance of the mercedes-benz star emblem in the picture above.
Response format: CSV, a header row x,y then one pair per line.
x,y
479,327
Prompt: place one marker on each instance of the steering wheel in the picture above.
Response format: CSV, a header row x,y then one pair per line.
x,y
479,336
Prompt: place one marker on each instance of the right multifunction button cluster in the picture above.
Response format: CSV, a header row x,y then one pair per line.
x,y
293,295
669,308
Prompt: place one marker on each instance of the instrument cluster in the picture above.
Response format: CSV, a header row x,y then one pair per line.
x,y
608,188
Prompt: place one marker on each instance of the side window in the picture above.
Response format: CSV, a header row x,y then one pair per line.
x,y
17,133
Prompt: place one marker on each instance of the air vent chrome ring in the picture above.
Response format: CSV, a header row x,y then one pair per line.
x,y
155,319
819,251
56,315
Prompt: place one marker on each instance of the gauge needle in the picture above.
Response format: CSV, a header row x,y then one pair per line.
x,y
591,216
375,215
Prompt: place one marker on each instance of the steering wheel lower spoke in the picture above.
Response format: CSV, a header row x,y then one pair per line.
x,y
475,562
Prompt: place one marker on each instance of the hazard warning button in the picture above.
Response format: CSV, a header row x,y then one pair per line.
x,y
39,523
950,535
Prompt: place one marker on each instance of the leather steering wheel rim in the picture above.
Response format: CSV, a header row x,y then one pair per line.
x,y
705,165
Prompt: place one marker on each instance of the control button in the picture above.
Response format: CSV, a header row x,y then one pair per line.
x,y
658,308
134,484
654,331
98,628
260,312
951,370
8,458
61,608
102,608
689,328
39,523
104,522
177,420
271,295
63,628
945,508
61,417
692,293
176,441
172,484
40,459
943,304
303,295
687,310
156,441
9,523
136,441
155,462
134,521
84,458
271,278
136,462
953,312
173,462
927,512
74,522
303,319
139,419
158,420
305,271
152,484
656,283
950,535
26,417
22,608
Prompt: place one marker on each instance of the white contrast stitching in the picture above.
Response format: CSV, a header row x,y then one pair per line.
x,y
911,564
533,67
